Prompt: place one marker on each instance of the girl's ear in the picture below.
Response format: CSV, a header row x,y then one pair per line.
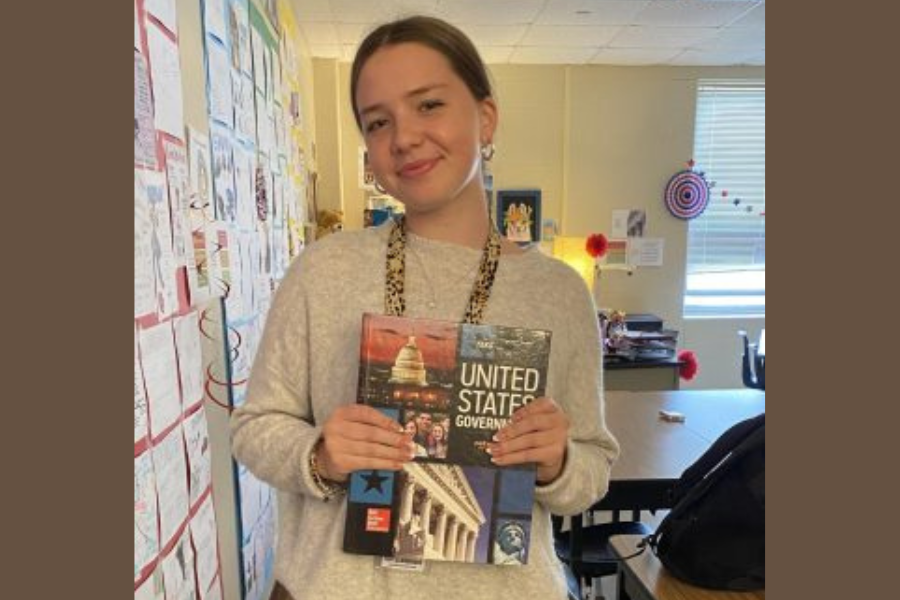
x,y
488,111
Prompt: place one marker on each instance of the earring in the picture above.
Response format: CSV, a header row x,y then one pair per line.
x,y
488,150
379,189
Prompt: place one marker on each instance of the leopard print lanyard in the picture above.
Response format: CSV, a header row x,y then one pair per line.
x,y
394,297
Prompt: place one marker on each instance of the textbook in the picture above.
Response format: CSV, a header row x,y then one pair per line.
x,y
451,386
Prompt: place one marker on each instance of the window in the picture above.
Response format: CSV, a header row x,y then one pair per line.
x,y
726,254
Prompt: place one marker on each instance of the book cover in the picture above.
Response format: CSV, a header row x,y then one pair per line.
x,y
452,385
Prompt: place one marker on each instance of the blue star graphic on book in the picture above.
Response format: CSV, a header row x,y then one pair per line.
x,y
373,482
372,487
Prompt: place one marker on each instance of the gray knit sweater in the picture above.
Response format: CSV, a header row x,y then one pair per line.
x,y
306,366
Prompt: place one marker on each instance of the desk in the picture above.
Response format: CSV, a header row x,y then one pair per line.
x,y
654,452
641,375
644,578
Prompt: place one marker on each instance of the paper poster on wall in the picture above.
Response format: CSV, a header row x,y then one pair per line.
x,y
628,223
146,542
179,203
171,483
259,69
196,440
244,111
141,423
151,588
201,209
144,130
217,281
165,72
243,184
190,366
144,280
240,35
214,18
616,253
178,571
645,252
160,376
218,71
215,590
223,174
366,176
164,265
203,533
165,13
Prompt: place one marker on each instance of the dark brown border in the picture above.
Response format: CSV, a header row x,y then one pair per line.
x,y
832,168
66,265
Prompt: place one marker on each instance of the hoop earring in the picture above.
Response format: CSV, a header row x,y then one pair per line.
x,y
488,150
379,189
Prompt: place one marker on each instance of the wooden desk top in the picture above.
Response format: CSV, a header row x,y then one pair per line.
x,y
659,585
657,449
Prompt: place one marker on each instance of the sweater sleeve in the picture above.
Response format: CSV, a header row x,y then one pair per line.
x,y
591,448
274,431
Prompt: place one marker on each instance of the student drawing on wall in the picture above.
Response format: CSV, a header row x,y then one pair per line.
x,y
637,220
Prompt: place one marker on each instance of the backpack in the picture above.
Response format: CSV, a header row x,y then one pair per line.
x,y
714,536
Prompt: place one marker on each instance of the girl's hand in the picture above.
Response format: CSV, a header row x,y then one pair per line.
x,y
358,437
538,433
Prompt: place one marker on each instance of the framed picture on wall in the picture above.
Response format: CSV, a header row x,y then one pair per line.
x,y
519,215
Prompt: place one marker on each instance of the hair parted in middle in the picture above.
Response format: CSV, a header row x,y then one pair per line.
x,y
434,33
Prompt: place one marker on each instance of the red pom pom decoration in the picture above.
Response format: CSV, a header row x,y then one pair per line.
x,y
597,245
689,369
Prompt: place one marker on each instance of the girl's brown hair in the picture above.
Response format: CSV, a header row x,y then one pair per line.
x,y
438,35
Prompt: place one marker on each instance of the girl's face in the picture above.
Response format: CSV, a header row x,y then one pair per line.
x,y
437,432
422,127
410,428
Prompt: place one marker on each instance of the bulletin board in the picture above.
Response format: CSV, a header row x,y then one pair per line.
x,y
219,208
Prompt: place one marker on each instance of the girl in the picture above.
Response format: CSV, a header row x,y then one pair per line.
x,y
424,105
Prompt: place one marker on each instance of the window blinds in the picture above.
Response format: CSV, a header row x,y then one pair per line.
x,y
726,257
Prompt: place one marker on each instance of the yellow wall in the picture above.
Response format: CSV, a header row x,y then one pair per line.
x,y
594,139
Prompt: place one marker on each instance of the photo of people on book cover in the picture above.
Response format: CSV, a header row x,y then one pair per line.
x,y
451,386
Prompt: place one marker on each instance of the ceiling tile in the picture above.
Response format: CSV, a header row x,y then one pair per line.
x,y
319,33
495,35
756,16
634,56
573,35
404,8
728,31
739,37
590,12
496,12
715,58
692,13
352,33
360,11
311,10
551,55
662,37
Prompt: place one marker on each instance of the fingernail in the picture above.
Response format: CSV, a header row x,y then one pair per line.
x,y
496,437
488,450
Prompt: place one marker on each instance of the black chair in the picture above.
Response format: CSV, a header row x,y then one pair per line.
x,y
751,373
585,550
